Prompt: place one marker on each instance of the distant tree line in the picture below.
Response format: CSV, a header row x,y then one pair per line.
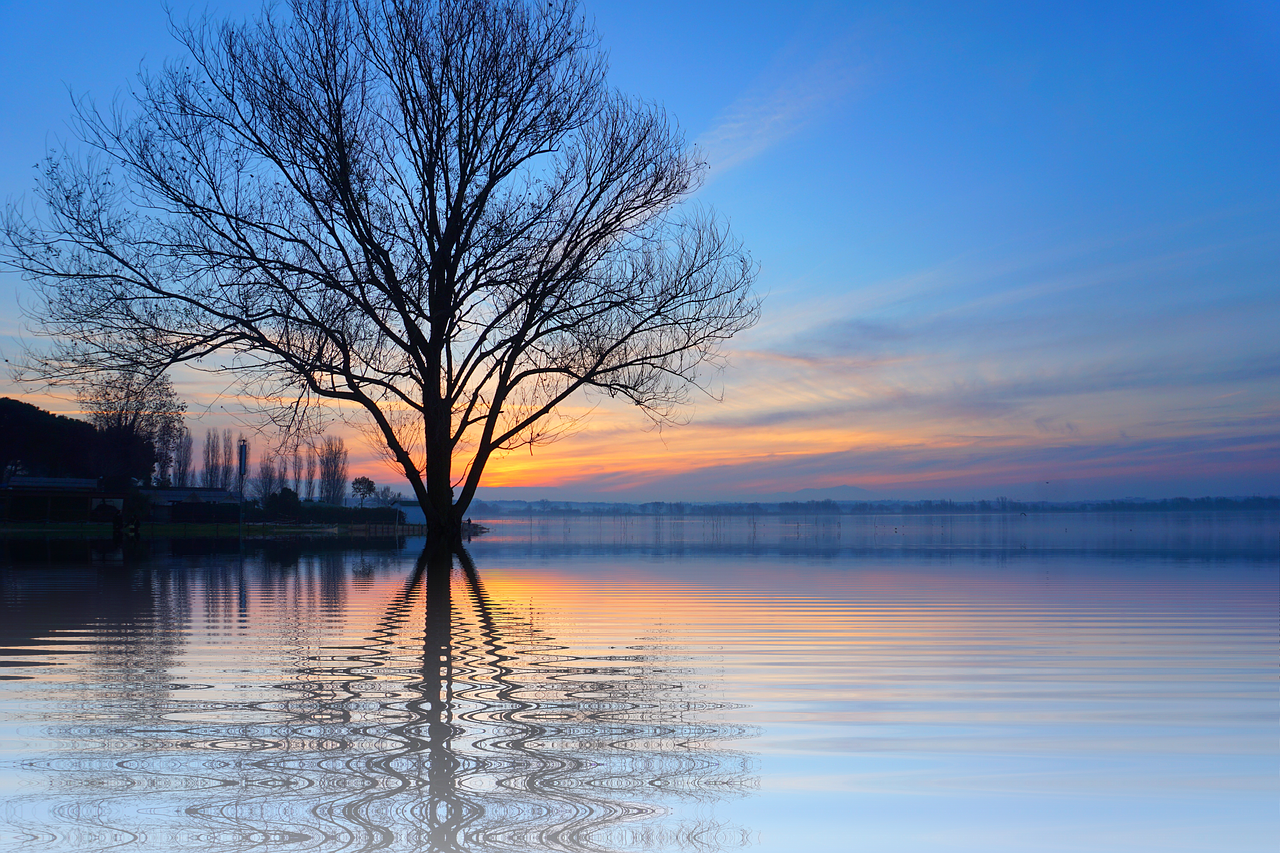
x,y
296,468
136,435
1004,505
284,507
662,508
306,498
491,509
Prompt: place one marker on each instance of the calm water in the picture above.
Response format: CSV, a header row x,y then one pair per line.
x,y
1055,683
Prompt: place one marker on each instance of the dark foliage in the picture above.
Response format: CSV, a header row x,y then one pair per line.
x,y
37,443
132,412
284,506
363,487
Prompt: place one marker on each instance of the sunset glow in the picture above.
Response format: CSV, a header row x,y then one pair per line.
x,y
587,426
1029,251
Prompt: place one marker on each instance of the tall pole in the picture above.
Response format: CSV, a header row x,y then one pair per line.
x,y
243,453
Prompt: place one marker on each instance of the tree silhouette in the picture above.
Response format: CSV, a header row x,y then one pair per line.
x,y
182,460
140,417
434,213
363,487
332,457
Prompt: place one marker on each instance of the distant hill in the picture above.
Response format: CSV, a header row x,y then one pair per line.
x,y
41,444
37,443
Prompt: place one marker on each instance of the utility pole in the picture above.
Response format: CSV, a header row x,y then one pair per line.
x,y
243,448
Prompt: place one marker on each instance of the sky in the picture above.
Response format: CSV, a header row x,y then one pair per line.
x,y
1012,249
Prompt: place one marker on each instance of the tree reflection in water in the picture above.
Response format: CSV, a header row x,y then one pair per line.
x,y
481,733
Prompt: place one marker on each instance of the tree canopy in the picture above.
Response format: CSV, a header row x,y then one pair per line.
x,y
34,442
363,487
434,213
132,409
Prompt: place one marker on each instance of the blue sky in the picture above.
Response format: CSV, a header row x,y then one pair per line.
x,y
1024,249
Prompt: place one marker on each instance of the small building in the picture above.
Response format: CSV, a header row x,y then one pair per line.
x,y
412,510
67,500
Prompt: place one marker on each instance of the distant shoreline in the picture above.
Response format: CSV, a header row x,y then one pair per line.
x,y
998,506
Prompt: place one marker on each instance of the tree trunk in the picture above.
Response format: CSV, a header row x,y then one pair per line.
x,y
444,521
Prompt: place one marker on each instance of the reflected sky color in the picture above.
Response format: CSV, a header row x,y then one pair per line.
x,y
1007,248
956,683
883,684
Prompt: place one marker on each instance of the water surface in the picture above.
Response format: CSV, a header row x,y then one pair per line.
x,y
856,683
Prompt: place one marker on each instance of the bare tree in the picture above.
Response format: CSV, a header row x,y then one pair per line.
x,y
135,406
269,479
386,497
182,472
229,466
310,479
333,470
297,470
434,211
211,473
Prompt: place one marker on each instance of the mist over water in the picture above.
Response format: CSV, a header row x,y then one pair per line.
x,y
1058,682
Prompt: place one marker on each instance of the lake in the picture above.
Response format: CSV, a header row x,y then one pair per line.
x,y
1059,682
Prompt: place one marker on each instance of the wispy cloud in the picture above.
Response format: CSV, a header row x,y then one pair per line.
x,y
1043,399
1158,269
797,88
